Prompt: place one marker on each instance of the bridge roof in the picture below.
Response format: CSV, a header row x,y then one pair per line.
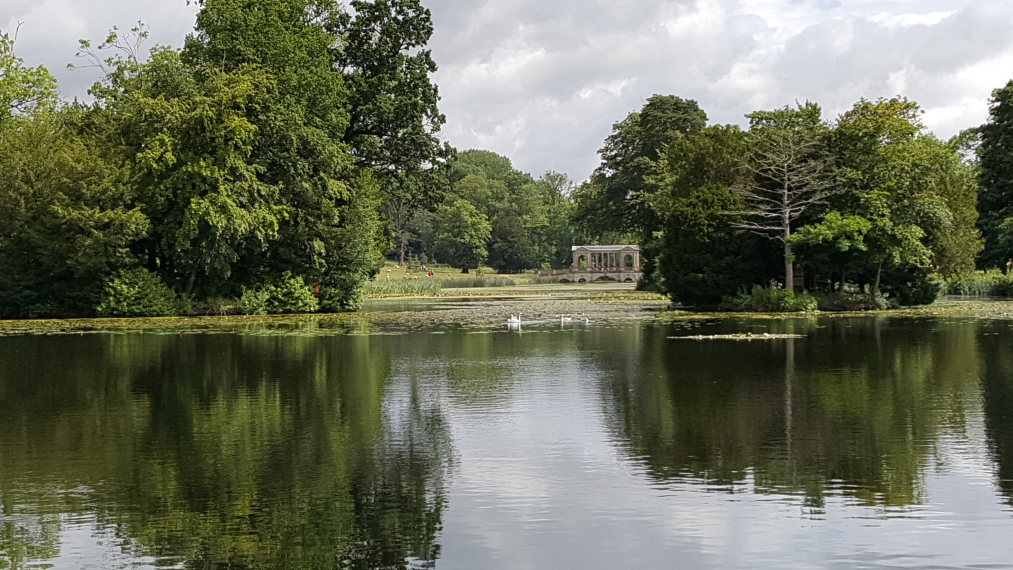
x,y
605,248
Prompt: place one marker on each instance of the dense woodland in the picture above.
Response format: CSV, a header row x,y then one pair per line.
x,y
287,149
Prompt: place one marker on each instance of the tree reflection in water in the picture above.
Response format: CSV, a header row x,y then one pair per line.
x,y
221,451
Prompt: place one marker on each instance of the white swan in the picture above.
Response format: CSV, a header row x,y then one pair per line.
x,y
563,319
514,319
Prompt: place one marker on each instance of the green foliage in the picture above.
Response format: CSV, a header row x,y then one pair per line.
x,y
393,106
475,282
618,199
770,300
905,206
530,218
136,293
402,288
911,288
703,258
289,294
68,217
850,301
462,233
23,90
995,200
990,283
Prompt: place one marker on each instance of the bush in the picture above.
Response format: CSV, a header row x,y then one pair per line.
x,y
851,301
912,287
136,293
769,300
342,292
289,295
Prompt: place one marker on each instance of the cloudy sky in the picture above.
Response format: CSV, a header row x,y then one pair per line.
x,y
542,81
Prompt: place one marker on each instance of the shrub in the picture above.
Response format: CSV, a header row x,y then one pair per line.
x,y
769,300
851,301
910,288
289,295
342,292
136,293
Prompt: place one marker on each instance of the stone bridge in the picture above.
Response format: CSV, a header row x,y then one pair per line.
x,y
602,263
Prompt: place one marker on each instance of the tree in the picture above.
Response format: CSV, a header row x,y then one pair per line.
x,y
906,203
703,257
530,218
789,174
394,116
292,39
193,138
462,233
620,199
995,200
331,234
68,219
23,90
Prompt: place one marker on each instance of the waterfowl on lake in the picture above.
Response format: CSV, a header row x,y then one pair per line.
x,y
514,319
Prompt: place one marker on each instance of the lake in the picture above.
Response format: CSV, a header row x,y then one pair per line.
x,y
464,443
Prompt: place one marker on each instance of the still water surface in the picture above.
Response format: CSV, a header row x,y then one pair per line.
x,y
867,443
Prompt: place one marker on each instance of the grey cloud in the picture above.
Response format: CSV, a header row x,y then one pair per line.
x,y
542,81
51,29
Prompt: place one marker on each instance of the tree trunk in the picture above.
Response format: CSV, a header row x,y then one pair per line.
x,y
875,284
464,270
789,270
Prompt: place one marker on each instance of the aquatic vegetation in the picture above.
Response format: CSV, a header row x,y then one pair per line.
x,y
402,288
476,282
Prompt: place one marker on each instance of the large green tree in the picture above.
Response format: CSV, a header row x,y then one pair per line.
x,y
789,174
394,114
620,200
462,233
906,203
68,216
703,256
995,201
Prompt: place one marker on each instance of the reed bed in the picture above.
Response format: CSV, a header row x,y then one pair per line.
x,y
470,282
992,283
402,288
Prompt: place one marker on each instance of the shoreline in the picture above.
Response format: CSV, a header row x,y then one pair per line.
x,y
484,309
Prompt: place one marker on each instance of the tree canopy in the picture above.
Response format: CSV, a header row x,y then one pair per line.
x,y
264,150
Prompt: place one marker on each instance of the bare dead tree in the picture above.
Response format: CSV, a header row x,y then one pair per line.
x,y
787,176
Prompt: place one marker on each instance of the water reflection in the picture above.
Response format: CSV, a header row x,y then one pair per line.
x,y
867,442
217,451
856,407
